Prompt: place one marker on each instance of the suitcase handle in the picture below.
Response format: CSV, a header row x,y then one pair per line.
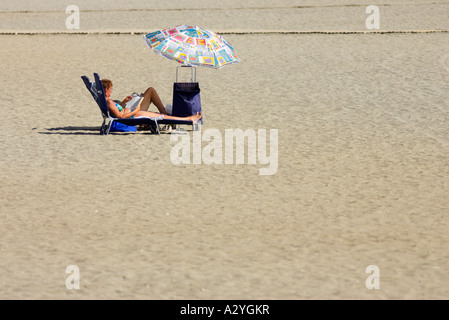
x,y
192,72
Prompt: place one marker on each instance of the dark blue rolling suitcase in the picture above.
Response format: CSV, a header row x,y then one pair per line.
x,y
186,96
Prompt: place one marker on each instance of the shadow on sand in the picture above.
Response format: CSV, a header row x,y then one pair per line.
x,y
78,130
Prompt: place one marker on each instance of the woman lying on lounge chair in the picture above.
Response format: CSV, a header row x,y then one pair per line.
x,y
150,96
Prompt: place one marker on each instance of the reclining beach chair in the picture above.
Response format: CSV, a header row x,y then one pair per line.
x,y
97,91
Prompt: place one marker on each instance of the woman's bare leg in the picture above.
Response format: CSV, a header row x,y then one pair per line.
x,y
150,114
150,96
194,117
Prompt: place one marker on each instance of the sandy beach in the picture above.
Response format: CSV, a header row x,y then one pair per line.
x,y
363,149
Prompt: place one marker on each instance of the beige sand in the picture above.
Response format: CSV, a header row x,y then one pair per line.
x,y
362,177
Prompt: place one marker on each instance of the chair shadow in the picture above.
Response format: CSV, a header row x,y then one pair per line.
x,y
71,130
78,130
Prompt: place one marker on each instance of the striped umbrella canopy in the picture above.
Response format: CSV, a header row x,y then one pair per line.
x,y
191,45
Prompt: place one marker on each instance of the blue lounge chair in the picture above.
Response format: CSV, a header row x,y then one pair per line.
x,y
97,91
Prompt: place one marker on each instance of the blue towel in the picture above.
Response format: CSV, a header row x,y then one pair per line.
x,y
120,127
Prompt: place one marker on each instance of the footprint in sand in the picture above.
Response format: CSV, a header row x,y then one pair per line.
x,y
445,62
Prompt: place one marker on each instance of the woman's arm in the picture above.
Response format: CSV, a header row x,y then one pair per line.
x,y
123,103
124,114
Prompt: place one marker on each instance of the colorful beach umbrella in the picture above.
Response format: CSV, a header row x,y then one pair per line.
x,y
191,45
